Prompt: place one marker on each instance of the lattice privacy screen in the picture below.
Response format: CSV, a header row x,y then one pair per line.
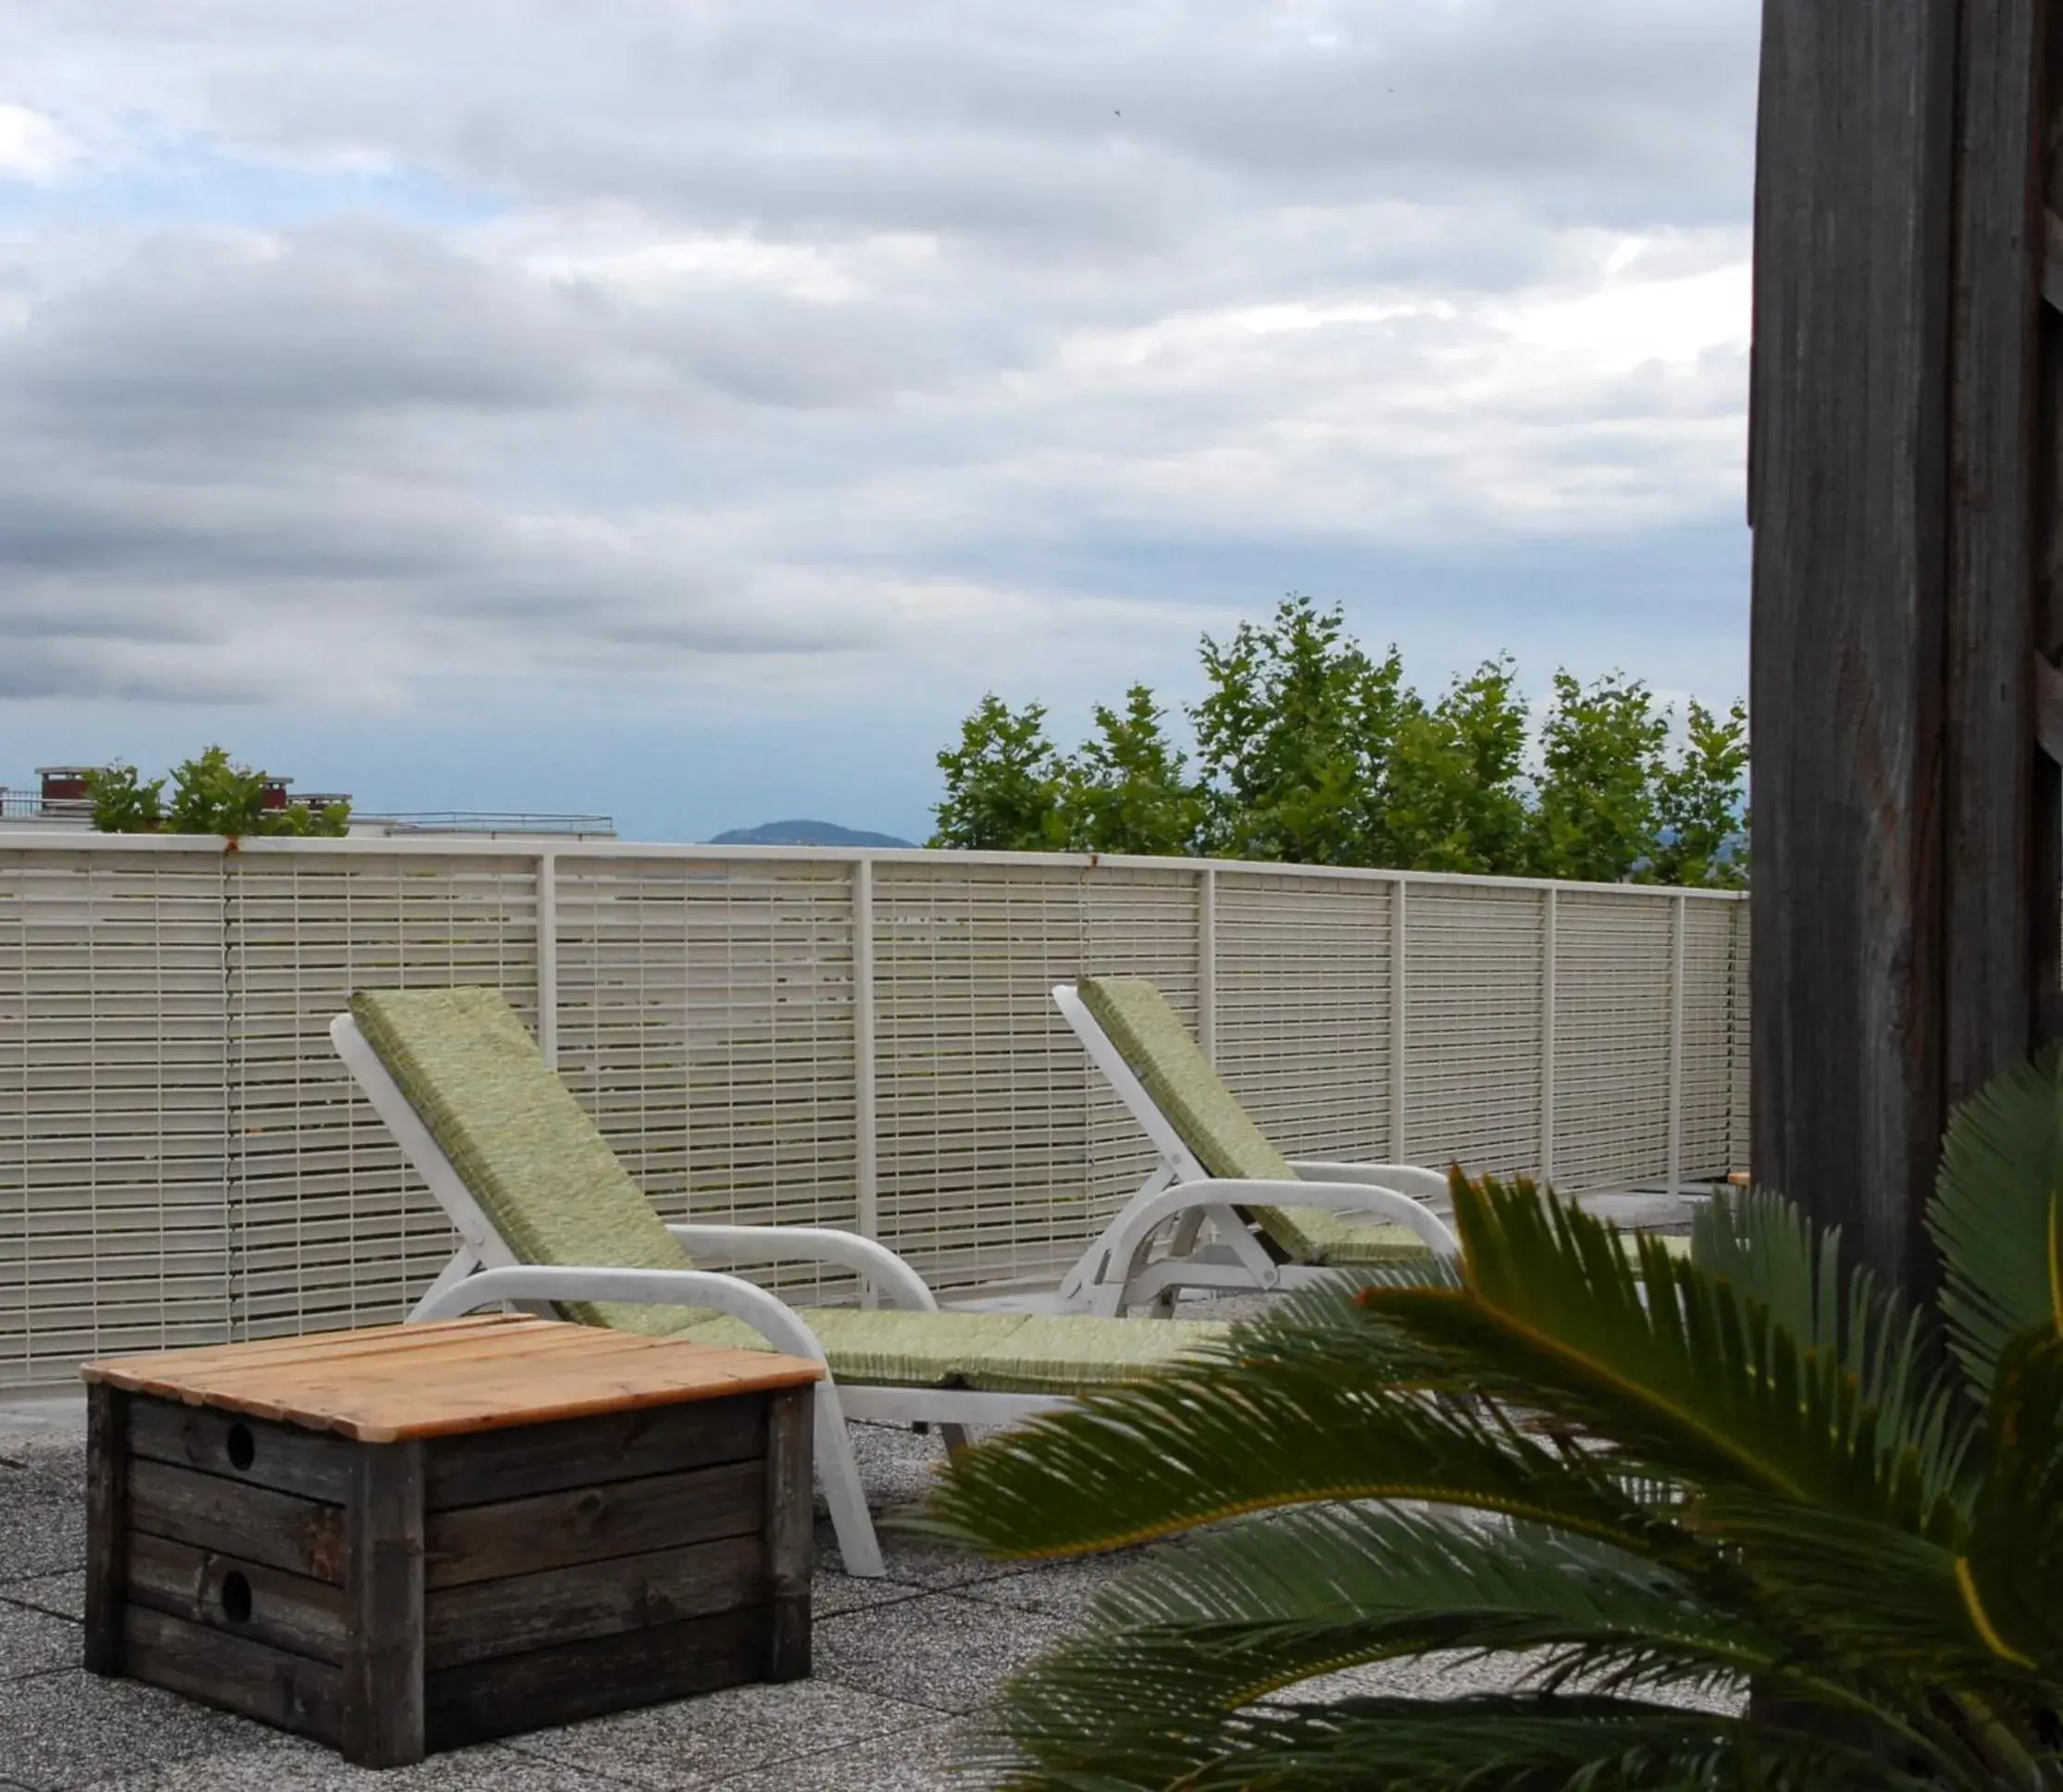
x,y
855,1040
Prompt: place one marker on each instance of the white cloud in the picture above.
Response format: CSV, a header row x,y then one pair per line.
x,y
785,346
31,147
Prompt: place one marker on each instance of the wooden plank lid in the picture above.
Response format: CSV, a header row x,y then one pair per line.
x,y
482,1374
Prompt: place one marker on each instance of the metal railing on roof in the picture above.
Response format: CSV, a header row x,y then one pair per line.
x,y
489,822
861,1038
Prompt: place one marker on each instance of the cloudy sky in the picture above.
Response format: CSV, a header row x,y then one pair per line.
x,y
689,408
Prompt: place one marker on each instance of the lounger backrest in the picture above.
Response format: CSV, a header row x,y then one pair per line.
x,y
1193,1099
533,1159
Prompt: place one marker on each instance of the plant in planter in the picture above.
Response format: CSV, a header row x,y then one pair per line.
x,y
1644,1485
209,796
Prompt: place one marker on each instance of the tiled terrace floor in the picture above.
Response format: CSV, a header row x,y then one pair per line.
x,y
900,1666
903,1668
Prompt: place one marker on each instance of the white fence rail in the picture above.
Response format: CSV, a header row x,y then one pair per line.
x,y
856,1040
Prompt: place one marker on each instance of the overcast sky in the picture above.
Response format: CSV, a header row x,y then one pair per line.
x,y
689,409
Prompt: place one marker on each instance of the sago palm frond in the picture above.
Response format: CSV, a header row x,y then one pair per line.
x,y
2012,1575
1682,1373
1270,1602
1208,1440
1491,1743
1767,1250
1998,1215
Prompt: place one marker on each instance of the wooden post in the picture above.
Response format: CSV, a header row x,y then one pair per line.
x,y
383,1591
1900,898
107,1524
790,1538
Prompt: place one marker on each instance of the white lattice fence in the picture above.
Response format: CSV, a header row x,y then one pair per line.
x,y
857,1040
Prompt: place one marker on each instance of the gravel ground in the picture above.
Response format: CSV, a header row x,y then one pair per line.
x,y
904,1667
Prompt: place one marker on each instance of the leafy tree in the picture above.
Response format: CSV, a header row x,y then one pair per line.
x,y
1602,750
123,802
1452,790
1629,1478
1127,789
209,796
1294,735
1005,783
1700,803
1310,751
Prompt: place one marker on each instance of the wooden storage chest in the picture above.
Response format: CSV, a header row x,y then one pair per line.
x,y
407,1540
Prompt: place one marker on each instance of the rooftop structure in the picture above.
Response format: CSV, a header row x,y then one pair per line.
x,y
63,800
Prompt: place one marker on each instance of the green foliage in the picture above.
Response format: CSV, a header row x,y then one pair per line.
x,y
210,795
1998,1216
1602,754
1293,736
1698,802
123,802
1632,1477
1454,798
1003,783
1312,751
1127,789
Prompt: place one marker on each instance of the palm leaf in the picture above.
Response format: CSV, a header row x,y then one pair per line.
x,y
1866,1595
1277,1601
1675,1370
1208,1440
2012,1577
1502,1743
1998,1215
1232,1617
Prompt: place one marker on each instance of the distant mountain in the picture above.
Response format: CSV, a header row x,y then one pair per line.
x,y
804,833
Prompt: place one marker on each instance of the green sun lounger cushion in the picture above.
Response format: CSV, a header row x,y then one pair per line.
x,y
1208,1116
526,1148
995,1353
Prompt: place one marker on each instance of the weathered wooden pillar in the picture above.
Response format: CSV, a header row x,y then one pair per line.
x,y
1902,476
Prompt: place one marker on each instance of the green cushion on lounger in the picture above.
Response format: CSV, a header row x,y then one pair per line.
x,y
526,1148
996,1353
1152,1038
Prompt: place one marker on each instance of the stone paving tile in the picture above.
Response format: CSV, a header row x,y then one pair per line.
x,y
35,1642
288,1764
42,1492
703,1742
832,1593
62,1594
70,1728
915,1759
1060,1590
945,1653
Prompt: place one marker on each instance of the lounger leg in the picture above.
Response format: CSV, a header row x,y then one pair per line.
x,y
838,1472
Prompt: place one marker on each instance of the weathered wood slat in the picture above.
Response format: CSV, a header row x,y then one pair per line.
x,y
438,1380
106,1527
280,1530
484,1619
1855,232
289,1459
1992,911
383,1587
236,1673
578,1680
479,1466
556,1530
289,1611
160,1371
790,1532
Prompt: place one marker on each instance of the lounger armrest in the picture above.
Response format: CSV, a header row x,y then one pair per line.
x,y
878,1266
1139,1223
771,1317
1411,1180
